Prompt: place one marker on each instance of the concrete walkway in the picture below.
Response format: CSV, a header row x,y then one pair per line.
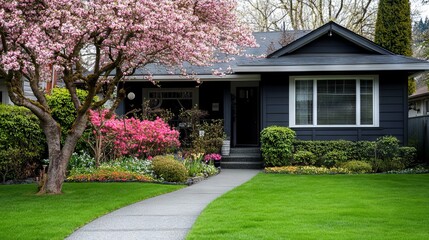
x,y
169,216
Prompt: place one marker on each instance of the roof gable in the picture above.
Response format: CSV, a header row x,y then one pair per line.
x,y
331,38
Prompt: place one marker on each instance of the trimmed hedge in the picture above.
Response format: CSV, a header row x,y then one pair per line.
x,y
279,148
385,154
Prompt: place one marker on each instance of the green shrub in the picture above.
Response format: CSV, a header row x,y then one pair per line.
x,y
63,111
277,145
362,150
304,158
387,147
357,166
62,108
408,154
169,169
321,148
213,137
333,158
385,165
22,142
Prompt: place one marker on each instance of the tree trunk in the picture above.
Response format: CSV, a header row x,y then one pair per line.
x,y
59,156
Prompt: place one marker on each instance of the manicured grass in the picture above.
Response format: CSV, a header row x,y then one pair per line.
x,y
275,206
24,215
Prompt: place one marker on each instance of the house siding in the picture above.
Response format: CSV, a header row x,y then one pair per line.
x,y
392,99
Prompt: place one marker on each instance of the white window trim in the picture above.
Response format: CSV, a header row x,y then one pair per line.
x,y
376,102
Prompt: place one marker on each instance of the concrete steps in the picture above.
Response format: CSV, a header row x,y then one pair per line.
x,y
243,158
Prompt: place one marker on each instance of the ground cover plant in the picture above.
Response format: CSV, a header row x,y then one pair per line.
x,y
25,215
280,206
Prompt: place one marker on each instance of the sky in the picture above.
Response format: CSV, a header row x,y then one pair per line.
x,y
422,10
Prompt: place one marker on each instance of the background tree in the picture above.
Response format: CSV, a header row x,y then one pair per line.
x,y
357,15
38,35
262,15
393,29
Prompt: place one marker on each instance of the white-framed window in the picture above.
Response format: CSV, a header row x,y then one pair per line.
x,y
173,99
334,101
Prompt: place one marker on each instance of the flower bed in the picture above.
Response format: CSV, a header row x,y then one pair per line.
x,y
306,170
109,175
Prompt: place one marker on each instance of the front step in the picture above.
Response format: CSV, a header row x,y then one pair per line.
x,y
243,158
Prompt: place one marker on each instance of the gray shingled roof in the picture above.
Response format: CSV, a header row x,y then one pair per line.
x,y
372,58
267,41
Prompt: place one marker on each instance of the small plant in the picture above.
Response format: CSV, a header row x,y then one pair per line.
x,y
198,168
81,160
169,169
277,145
304,158
357,166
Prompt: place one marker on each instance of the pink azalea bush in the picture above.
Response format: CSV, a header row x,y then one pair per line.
x,y
134,137
212,157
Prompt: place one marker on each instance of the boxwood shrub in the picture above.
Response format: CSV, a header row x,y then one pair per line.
x,y
277,145
169,169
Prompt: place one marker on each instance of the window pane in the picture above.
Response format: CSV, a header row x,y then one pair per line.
x,y
304,102
366,102
336,102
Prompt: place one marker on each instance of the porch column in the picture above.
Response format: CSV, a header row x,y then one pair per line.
x,y
227,109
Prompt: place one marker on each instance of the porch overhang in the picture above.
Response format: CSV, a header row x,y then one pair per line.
x,y
206,78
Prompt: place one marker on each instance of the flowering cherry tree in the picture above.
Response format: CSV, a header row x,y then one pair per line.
x,y
37,36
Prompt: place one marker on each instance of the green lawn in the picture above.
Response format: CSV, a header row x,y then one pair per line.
x,y
270,206
24,215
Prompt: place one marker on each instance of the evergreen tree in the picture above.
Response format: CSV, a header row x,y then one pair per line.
x,y
393,29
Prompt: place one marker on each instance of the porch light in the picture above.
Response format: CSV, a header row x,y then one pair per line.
x,y
131,96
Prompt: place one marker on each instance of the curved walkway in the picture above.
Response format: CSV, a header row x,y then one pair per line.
x,y
169,216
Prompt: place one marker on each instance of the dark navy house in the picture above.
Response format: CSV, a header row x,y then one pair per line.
x,y
328,84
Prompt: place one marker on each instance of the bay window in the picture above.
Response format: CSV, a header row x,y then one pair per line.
x,y
333,101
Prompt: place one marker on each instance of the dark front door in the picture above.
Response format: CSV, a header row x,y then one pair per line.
x,y
247,116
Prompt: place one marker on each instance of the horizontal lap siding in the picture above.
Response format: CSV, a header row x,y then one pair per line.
x,y
393,105
275,100
275,110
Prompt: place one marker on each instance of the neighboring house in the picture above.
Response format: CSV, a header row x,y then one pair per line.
x,y
4,96
418,103
418,122
328,84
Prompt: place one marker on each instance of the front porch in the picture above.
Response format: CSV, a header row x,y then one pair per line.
x,y
237,103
